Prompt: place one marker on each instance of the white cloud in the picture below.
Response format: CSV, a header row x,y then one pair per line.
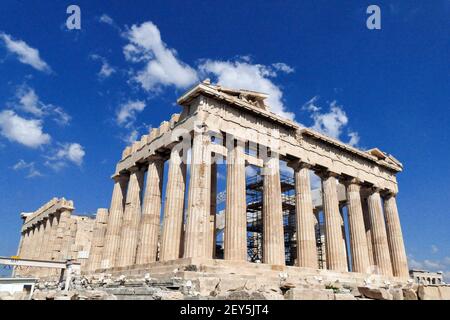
x,y
25,53
244,75
73,152
28,101
25,131
162,66
354,139
104,18
131,137
126,113
106,69
281,66
30,166
331,123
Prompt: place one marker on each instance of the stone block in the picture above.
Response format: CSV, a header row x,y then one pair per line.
x,y
309,294
428,293
397,294
207,286
444,292
376,293
409,294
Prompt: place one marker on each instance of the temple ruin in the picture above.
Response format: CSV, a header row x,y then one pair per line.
x,y
273,222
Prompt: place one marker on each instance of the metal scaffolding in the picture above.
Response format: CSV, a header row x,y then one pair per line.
x,y
254,187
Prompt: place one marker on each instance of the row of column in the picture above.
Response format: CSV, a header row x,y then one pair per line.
x,y
48,239
132,231
378,241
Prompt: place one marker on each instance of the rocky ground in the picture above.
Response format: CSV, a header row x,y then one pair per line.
x,y
207,288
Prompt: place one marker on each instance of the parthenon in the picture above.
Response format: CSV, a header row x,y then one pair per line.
x,y
147,226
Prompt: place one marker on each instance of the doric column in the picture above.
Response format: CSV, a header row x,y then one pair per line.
x,y
98,240
358,240
366,216
21,247
151,211
381,255
39,240
306,238
395,237
235,233
131,218
46,248
197,226
33,239
212,212
273,232
112,237
336,259
171,238
52,236
24,249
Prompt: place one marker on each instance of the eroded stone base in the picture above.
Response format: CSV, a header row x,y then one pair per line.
x,y
220,279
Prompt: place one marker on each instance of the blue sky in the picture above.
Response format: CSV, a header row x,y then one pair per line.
x,y
71,99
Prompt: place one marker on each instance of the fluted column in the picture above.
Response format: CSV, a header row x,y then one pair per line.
x,y
51,240
273,232
151,211
381,255
112,237
197,226
306,237
46,249
39,241
31,243
235,233
366,216
336,259
24,249
173,221
358,240
33,240
395,237
98,240
21,247
212,212
131,218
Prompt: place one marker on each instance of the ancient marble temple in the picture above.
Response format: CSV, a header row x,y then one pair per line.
x,y
237,128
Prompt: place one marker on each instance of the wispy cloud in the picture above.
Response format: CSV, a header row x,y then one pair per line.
x,y
25,53
106,69
331,122
29,167
29,102
126,113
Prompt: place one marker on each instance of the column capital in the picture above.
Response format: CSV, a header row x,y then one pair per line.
x,y
120,177
134,169
327,173
347,181
374,189
389,193
298,164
